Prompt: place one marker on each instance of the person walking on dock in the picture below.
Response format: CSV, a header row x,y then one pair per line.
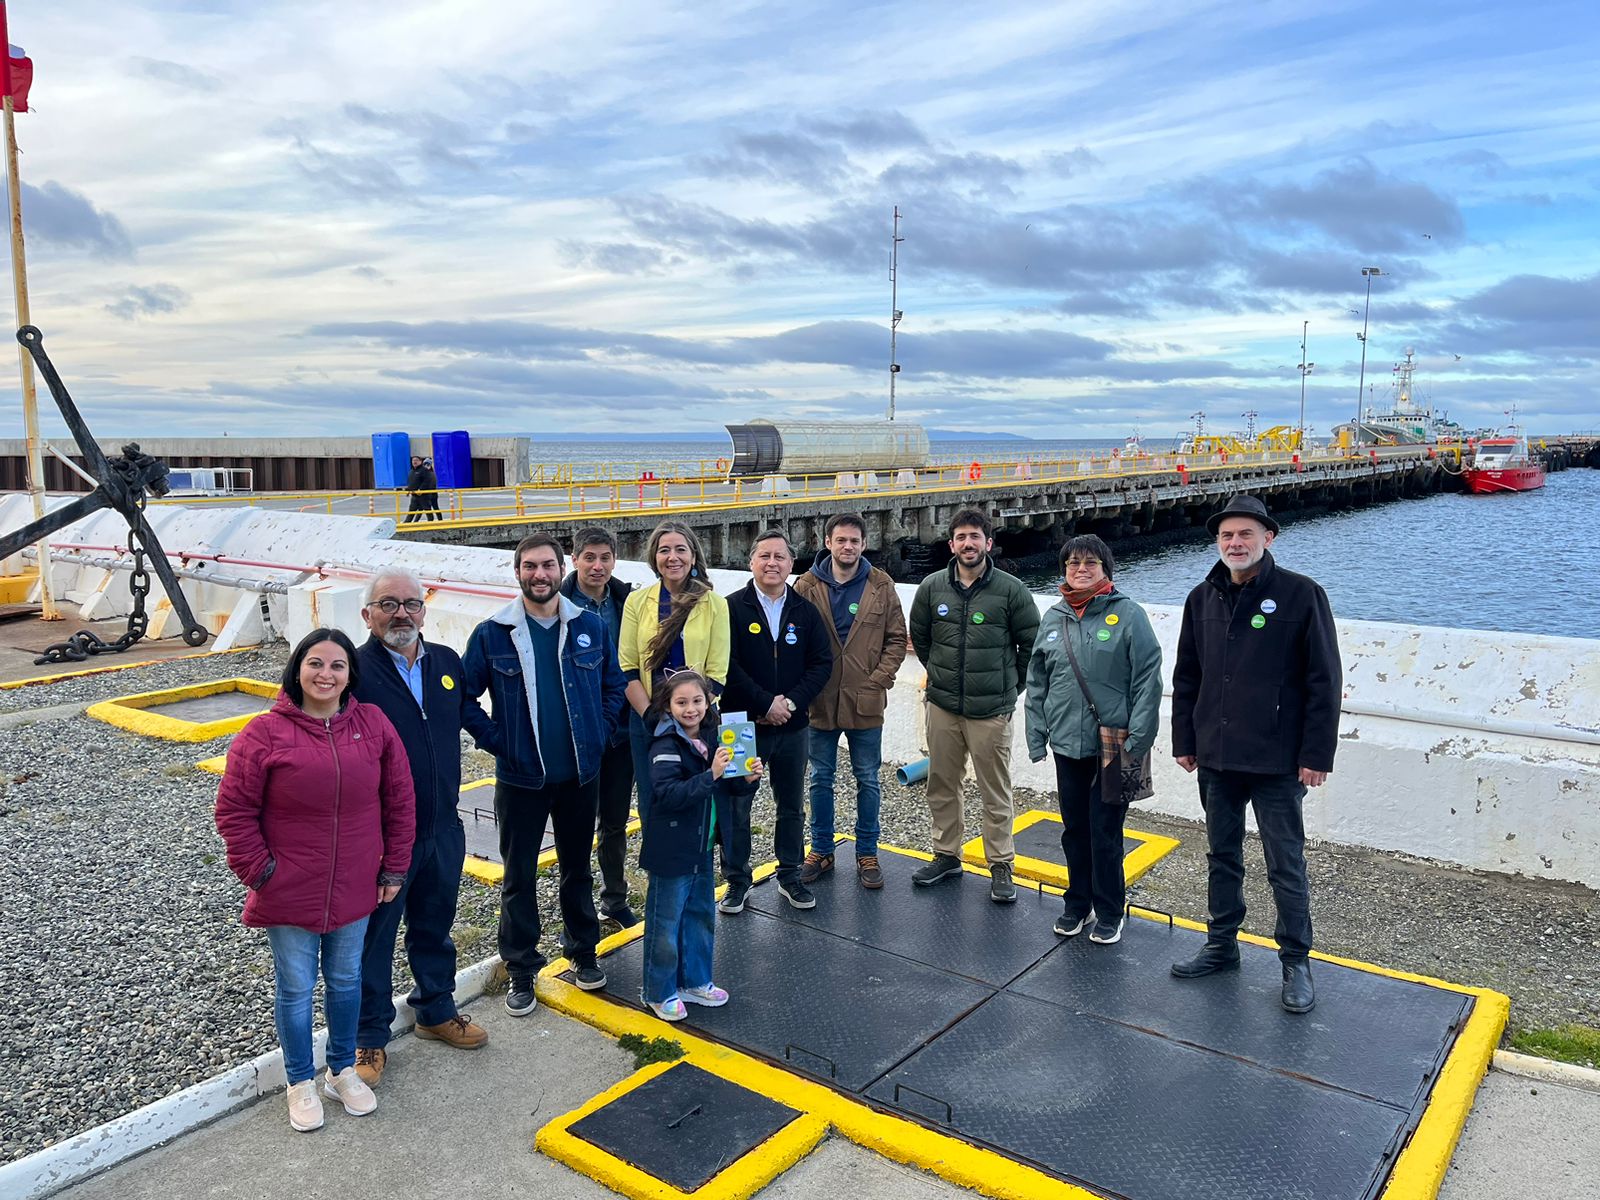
x,y
422,484
557,697
418,685
591,585
973,626
781,657
1255,709
858,602
676,622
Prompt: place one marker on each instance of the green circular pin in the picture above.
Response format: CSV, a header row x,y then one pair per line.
x,y
1258,621
977,618
1103,634
853,609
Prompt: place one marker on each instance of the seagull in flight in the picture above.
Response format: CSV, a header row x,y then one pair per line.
x,y
1458,357
1429,236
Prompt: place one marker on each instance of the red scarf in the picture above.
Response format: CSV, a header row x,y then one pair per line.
x,y
1080,600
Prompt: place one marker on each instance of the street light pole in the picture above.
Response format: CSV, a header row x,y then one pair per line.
x,y
1355,429
1304,326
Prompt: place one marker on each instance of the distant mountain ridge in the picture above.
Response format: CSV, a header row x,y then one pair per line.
x,y
934,435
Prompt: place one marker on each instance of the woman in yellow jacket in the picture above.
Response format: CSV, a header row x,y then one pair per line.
x,y
676,623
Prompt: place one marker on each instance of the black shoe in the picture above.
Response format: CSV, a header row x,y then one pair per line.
x,y
1214,956
733,899
590,978
796,893
1001,889
1298,994
1106,933
623,916
520,1000
1071,926
942,867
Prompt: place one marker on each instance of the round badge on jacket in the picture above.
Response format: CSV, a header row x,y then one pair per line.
x,y
755,626
583,641
1112,618
854,608
1269,606
447,683
1053,635
1258,621
790,638
1103,635
977,618
943,610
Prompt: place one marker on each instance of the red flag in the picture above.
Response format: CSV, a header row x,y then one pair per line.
x,y
16,69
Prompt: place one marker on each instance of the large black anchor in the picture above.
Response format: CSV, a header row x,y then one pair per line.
x,y
126,482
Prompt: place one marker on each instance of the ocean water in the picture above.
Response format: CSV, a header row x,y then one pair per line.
x,y
1522,563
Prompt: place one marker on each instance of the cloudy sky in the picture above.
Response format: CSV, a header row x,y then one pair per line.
x,y
296,218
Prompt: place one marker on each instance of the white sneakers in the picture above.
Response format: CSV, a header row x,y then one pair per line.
x,y
348,1089
305,1106
711,995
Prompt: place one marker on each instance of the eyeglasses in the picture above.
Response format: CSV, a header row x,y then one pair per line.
x,y
1082,562
389,606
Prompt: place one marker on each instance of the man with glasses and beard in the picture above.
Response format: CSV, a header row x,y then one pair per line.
x,y
558,693
418,686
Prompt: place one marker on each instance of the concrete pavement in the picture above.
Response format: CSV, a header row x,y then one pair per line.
x,y
457,1123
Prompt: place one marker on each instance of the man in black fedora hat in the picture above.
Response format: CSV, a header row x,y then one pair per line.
x,y
1255,709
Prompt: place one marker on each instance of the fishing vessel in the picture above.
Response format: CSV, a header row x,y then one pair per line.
x,y
1503,464
1406,423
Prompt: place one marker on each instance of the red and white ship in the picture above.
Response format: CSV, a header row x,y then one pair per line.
x,y
1503,464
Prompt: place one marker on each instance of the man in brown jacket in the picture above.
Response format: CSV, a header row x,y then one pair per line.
x,y
862,610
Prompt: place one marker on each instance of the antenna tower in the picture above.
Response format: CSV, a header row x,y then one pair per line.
x,y
894,305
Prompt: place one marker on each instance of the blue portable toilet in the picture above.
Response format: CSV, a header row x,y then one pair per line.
x,y
452,458
391,459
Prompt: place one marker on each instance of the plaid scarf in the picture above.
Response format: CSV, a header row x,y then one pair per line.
x,y
1111,741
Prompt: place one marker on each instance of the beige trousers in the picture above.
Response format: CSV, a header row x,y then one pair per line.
x,y
951,739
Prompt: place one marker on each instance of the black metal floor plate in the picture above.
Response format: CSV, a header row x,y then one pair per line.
x,y
218,706
1092,1063
1134,1115
684,1126
476,810
1042,840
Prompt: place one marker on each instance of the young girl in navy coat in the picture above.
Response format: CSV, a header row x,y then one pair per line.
x,y
689,795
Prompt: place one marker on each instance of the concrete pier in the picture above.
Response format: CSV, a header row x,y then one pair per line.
x,y
1030,515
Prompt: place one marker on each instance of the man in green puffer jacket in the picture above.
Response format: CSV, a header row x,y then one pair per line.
x,y
973,627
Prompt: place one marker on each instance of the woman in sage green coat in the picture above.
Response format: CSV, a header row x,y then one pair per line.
x,y
1120,659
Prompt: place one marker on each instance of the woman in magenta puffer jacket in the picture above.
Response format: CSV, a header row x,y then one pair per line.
x,y
317,811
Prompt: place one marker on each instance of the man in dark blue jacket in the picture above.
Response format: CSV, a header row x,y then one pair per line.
x,y
558,693
419,688
1255,708
780,660
591,585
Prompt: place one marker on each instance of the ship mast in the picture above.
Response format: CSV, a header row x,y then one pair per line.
x,y
894,304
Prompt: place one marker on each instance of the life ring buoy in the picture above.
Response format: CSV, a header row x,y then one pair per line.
x,y
974,472
722,466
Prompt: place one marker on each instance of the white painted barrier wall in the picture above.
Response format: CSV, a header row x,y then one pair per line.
x,y
1476,748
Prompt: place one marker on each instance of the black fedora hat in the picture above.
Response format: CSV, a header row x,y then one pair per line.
x,y
1241,506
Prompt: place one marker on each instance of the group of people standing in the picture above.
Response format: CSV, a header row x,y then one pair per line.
x,y
338,806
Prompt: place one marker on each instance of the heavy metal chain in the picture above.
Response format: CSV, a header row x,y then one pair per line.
x,y
79,646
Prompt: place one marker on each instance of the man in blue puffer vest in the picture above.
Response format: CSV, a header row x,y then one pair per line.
x,y
558,693
419,688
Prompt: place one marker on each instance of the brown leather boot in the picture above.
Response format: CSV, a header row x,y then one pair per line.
x,y
461,1032
370,1064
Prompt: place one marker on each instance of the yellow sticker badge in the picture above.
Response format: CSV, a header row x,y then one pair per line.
x,y
447,683
755,626
1112,618
729,737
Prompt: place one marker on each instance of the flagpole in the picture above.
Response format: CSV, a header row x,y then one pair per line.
x,y
19,281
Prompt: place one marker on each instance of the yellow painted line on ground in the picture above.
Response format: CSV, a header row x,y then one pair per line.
x,y
216,766
130,712
122,666
1152,848
1417,1175
741,1179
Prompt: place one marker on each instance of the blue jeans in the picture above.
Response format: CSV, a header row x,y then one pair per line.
x,y
679,926
866,759
294,963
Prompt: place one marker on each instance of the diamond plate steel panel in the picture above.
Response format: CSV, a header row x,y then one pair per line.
x,y
1370,1034
1135,1115
953,925
1042,840
476,810
685,1126
817,1003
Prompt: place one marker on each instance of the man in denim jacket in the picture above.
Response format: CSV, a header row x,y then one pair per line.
x,y
557,690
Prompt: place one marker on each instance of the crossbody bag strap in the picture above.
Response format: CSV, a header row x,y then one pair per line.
x,y
1076,670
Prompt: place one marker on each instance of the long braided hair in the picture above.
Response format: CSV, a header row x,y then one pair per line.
x,y
694,588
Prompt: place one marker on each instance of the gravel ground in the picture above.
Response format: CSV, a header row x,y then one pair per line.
x,y
266,664
129,977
